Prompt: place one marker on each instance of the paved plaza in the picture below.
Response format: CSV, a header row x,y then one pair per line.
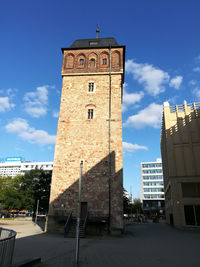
x,y
143,245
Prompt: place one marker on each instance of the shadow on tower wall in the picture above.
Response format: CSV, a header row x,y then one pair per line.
x,y
95,186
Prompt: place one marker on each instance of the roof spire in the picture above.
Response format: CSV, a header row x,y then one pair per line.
x,y
97,31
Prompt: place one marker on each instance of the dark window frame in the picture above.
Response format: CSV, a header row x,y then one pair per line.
x,y
81,61
91,87
104,61
92,62
90,113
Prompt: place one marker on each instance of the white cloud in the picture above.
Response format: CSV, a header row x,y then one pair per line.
x,y
133,98
132,147
22,128
150,116
36,102
130,99
56,114
18,125
11,92
176,82
197,69
192,82
5,104
152,78
196,92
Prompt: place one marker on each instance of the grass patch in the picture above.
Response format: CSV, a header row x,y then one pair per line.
x,y
7,219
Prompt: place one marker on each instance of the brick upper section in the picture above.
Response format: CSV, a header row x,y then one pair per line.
x,y
84,61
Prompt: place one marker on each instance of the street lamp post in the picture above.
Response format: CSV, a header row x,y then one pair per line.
x,y
78,215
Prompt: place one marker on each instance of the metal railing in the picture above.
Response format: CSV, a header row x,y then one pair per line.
x,y
67,224
85,222
7,243
179,108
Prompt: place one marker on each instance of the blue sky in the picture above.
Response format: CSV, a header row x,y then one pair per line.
x,y
162,64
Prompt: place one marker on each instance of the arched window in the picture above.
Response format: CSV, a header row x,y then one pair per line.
x,y
92,62
69,61
81,61
90,111
116,59
104,60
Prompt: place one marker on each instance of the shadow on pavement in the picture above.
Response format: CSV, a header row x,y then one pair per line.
x,y
142,245
40,222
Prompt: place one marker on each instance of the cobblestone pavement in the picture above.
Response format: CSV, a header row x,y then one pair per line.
x,y
142,245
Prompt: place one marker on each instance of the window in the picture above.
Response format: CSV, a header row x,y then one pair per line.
x,y
190,190
152,171
192,214
81,61
91,87
92,62
90,113
93,43
152,165
104,61
69,61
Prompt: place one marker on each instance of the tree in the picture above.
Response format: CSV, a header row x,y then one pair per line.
x,y
23,191
11,195
137,206
126,202
36,183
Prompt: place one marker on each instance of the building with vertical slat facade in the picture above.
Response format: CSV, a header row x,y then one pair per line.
x,y
180,148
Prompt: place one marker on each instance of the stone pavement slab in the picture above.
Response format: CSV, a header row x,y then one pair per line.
x,y
142,245
23,226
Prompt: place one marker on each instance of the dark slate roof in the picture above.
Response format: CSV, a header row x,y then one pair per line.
x,y
100,42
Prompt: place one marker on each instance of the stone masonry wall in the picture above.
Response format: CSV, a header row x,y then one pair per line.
x,y
80,138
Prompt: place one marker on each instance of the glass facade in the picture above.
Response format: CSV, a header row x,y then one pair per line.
x,y
153,177
152,180
152,171
152,165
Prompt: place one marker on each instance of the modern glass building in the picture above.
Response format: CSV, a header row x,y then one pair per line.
x,y
13,166
152,188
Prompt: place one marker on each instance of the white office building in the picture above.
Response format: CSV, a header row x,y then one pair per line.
x,y
152,187
13,166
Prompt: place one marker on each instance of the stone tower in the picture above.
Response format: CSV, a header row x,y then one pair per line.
x,y
89,130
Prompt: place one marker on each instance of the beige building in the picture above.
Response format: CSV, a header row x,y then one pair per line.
x,y
89,130
180,148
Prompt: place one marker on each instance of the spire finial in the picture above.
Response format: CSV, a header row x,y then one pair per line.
x,y
97,31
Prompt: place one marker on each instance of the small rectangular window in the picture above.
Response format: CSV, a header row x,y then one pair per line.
x,y
104,61
90,114
93,43
81,62
190,190
91,87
